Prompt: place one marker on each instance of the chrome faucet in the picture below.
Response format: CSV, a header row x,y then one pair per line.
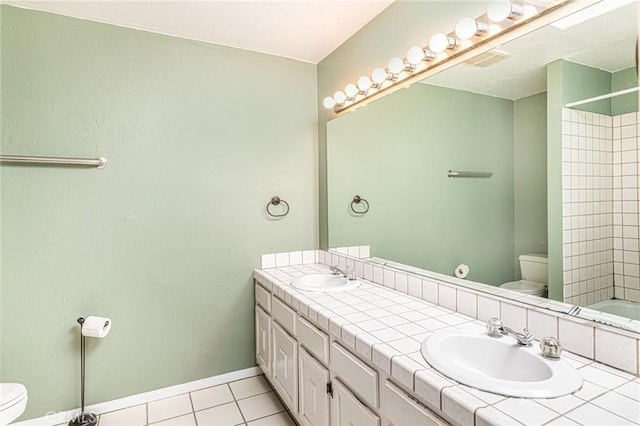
x,y
496,329
337,271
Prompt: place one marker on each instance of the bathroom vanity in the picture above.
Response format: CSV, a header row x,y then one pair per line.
x,y
353,357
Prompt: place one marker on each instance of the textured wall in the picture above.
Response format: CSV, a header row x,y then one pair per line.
x,y
163,240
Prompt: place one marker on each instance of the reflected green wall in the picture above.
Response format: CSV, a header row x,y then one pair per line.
x,y
396,153
165,238
624,79
530,176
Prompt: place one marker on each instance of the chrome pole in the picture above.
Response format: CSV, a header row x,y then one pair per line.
x,y
99,162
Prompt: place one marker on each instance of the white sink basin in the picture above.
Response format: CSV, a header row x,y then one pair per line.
x,y
499,365
325,283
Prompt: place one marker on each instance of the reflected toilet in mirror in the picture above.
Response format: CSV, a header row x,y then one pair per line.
x,y
534,280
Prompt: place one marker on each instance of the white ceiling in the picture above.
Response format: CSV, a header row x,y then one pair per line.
x,y
606,42
306,30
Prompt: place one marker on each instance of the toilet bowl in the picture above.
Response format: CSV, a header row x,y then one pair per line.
x,y
533,268
13,402
526,287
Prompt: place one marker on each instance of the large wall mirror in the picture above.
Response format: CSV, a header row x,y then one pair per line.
x,y
521,116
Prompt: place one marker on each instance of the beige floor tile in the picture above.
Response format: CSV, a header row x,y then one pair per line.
x,y
168,408
222,415
210,397
259,406
280,419
187,420
133,416
249,387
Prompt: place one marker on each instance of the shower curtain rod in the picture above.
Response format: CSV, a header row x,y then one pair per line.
x,y
601,97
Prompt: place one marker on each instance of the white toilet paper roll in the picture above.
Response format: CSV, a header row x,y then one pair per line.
x,y
462,271
96,327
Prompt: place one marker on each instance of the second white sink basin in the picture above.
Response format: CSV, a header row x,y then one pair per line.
x,y
499,365
325,283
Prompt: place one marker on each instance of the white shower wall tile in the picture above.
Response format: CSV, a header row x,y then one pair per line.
x,y
600,206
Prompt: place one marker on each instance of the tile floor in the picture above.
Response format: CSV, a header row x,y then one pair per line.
x,y
249,402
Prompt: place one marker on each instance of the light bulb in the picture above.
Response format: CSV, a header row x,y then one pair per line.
x,y
351,91
340,97
396,65
468,28
329,102
379,75
364,83
501,10
415,55
440,42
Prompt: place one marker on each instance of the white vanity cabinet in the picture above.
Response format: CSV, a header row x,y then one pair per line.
x,y
314,395
347,410
263,340
285,366
321,381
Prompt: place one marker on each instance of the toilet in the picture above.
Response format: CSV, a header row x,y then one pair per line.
x,y
533,268
13,402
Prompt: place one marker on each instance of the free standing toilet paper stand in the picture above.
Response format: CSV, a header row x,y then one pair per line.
x,y
83,419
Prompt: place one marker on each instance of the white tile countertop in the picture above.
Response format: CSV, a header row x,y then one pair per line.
x,y
387,327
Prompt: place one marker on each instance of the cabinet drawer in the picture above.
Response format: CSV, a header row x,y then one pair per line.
x,y
348,411
285,316
263,298
362,379
402,410
314,340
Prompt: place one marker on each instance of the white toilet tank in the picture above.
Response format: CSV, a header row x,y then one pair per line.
x,y
534,267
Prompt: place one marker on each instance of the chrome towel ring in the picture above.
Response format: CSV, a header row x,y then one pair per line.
x,y
357,200
276,201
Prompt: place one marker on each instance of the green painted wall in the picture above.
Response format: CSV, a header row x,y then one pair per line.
x,y
163,240
396,153
621,80
403,24
530,176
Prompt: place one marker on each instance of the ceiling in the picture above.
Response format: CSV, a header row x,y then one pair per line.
x,y
606,42
305,30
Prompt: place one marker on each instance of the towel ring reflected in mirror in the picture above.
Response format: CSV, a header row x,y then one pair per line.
x,y
276,201
359,200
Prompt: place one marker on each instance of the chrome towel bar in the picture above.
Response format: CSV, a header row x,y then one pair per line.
x,y
459,174
99,162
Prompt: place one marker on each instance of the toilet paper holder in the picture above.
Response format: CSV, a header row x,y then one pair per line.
x,y
84,418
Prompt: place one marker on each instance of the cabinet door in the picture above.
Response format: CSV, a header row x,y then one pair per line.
x,y
348,411
263,340
314,399
285,366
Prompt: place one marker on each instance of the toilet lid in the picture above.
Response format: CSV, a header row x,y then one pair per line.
x,y
11,394
524,286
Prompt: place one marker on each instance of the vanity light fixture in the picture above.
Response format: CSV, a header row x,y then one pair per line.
x,y
378,76
488,30
439,42
468,28
351,91
364,84
502,10
339,97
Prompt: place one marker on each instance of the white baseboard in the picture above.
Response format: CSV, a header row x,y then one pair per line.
x,y
56,418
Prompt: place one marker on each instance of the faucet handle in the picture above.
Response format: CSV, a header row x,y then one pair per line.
x,y
494,327
550,347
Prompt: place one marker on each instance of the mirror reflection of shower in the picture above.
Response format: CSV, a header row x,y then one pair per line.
x,y
600,190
